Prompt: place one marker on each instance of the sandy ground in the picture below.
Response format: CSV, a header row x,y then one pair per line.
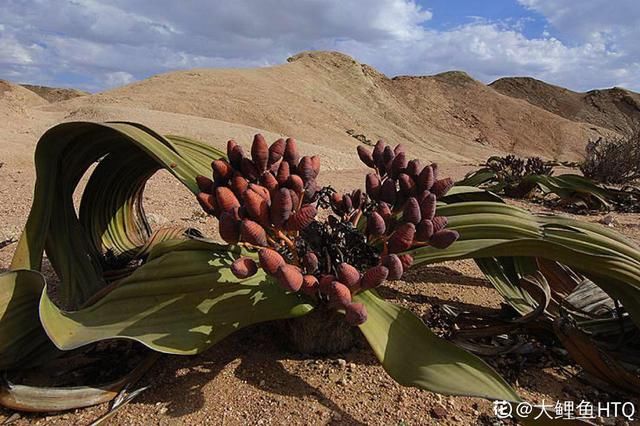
x,y
251,377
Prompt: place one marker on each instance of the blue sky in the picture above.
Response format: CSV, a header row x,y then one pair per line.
x,y
450,14
96,45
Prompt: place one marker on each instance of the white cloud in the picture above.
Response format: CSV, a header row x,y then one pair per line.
x,y
103,45
589,20
118,78
12,52
612,24
489,51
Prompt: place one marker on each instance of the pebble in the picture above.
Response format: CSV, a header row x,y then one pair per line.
x,y
438,412
608,220
341,362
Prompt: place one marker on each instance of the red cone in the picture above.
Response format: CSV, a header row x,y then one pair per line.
x,y
374,276
402,238
244,267
289,277
270,260
260,153
348,275
365,156
356,314
392,262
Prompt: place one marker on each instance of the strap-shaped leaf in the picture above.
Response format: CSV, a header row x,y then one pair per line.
x,y
497,230
111,213
566,186
63,155
414,356
502,274
182,301
479,177
21,335
571,186
460,193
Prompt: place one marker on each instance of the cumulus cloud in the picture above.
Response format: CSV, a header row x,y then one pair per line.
x,y
490,51
590,20
95,45
611,27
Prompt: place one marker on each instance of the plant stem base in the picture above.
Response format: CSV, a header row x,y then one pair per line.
x,y
321,332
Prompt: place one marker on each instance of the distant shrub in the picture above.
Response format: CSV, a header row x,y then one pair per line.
x,y
362,138
613,161
511,171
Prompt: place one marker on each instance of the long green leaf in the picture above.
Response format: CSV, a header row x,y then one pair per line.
x,y
111,213
182,301
497,230
22,340
502,274
414,356
460,193
63,155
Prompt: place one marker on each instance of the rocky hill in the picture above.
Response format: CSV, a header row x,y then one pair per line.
x,y
325,98
55,94
333,102
616,109
15,100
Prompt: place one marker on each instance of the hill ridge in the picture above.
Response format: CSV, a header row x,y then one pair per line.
x,y
317,96
616,108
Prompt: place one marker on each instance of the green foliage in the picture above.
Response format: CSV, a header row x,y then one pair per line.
x,y
508,175
516,178
181,301
414,356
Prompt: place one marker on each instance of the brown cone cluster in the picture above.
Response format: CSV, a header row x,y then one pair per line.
x,y
406,193
270,189
268,200
399,206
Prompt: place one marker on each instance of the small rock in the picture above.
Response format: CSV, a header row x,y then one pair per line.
x,y
262,382
608,220
163,410
352,366
341,362
438,412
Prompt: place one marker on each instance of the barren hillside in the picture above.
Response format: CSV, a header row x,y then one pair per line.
x,y
319,96
15,100
616,109
55,94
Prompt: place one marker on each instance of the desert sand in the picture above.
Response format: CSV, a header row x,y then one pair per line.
x,y
324,99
